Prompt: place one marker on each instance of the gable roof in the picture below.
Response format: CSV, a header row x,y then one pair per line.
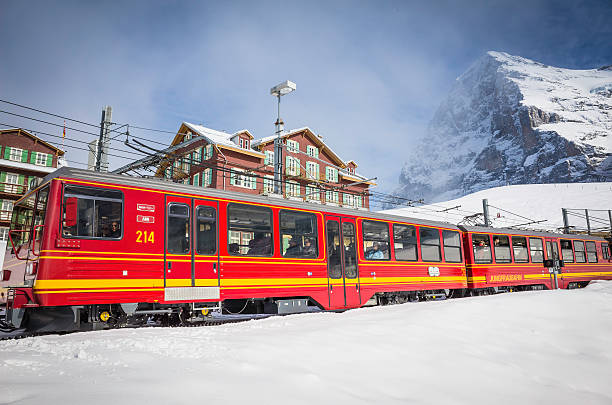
x,y
307,131
219,138
57,151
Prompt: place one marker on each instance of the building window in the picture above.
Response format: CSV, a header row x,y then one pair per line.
x,y
41,158
7,209
312,151
241,179
16,154
196,179
209,152
331,197
268,185
313,193
197,155
187,136
246,144
375,240
207,180
292,189
4,234
269,159
293,146
405,242
298,234
312,169
293,166
358,201
331,174
250,230
348,200
241,142
12,184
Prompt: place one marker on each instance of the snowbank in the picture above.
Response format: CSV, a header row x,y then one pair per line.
x,y
534,201
533,347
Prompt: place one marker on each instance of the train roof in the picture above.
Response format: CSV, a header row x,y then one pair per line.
x,y
171,187
509,231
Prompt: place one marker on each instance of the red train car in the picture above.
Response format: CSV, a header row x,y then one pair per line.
x,y
508,259
89,249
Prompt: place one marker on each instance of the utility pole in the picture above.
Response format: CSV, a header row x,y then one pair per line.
x,y
588,222
485,211
279,90
565,220
102,147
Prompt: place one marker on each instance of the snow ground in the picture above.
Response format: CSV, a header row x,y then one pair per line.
x,y
534,201
547,347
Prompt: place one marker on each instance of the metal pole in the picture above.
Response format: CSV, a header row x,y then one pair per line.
x,y
100,141
610,217
485,211
586,214
278,152
565,220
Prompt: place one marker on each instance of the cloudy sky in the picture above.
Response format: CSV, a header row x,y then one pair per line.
x,y
369,74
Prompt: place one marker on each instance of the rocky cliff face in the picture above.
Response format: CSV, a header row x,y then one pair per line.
x,y
510,120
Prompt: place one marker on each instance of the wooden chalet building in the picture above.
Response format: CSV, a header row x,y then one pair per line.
x,y
312,171
23,157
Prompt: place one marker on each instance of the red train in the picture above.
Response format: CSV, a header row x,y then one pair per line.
x,y
90,250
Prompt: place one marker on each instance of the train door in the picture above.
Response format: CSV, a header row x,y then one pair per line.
x,y
552,253
342,271
178,240
206,255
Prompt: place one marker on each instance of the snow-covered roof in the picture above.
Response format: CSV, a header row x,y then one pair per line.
x,y
213,136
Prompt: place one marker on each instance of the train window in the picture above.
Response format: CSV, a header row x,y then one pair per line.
x,y
206,230
501,247
178,228
519,248
482,248
98,213
350,255
334,254
536,247
249,230
404,242
591,250
376,240
298,234
452,246
567,253
604,251
579,251
430,244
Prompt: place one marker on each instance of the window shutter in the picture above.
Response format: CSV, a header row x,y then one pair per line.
x,y
2,179
24,156
32,157
7,153
21,180
49,160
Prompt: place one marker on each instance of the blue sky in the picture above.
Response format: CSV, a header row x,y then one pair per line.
x,y
369,74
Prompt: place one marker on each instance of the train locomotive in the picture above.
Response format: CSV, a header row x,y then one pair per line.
x,y
91,250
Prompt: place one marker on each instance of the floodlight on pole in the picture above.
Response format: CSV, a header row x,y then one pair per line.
x,y
279,90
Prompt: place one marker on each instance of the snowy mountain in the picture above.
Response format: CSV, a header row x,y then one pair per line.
x,y
510,120
518,204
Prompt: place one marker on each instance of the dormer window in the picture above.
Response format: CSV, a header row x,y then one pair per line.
x,y
351,170
241,143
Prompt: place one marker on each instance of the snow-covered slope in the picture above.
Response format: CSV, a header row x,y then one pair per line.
x,y
533,201
548,347
512,120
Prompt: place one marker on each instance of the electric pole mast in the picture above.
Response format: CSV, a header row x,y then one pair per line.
x,y
102,147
